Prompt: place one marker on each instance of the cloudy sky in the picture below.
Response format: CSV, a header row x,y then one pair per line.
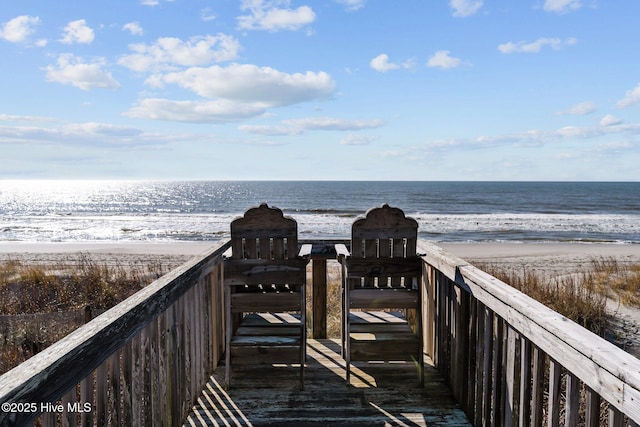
x,y
309,89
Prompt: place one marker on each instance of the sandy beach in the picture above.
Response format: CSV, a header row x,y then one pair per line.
x,y
554,258
550,258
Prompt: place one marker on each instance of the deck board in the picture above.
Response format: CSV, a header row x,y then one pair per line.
x,y
380,394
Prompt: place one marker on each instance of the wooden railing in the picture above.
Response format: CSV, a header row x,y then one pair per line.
x,y
144,362
510,360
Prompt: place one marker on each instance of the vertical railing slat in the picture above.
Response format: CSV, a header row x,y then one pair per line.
x,y
592,416
525,381
487,383
616,419
510,377
127,383
498,389
572,401
553,412
480,363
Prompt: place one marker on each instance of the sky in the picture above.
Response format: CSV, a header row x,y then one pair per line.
x,y
320,90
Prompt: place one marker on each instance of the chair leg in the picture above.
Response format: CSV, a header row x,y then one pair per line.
x,y
303,352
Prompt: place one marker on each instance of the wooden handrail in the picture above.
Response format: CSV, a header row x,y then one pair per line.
x,y
120,341
481,331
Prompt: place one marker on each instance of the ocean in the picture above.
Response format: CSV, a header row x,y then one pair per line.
x,y
158,211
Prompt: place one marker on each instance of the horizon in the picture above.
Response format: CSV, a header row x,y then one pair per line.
x,y
343,90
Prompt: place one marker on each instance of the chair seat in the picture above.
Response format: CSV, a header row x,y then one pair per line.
x,y
268,338
379,335
268,329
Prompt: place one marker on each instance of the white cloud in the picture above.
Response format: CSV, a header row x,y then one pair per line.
x,y
14,118
352,5
274,15
561,6
93,128
234,93
610,120
19,28
534,137
381,63
72,70
77,32
268,130
134,28
207,15
581,109
299,126
217,111
463,8
168,52
250,83
613,147
329,123
442,59
536,46
153,2
352,139
73,133
632,97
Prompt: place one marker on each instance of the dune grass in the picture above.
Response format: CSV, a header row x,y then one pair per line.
x,y
56,296
582,295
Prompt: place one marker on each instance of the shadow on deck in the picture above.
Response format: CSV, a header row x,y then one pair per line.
x,y
380,394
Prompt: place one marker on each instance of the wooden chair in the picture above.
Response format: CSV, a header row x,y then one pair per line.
x,y
381,273
264,281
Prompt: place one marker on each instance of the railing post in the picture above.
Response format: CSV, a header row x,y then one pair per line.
x,y
319,309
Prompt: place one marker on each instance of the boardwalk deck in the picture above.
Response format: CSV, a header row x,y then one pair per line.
x,y
380,394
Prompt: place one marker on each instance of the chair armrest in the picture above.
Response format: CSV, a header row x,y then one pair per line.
x,y
227,254
305,250
341,251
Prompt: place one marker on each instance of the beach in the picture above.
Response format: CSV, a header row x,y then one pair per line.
x,y
551,258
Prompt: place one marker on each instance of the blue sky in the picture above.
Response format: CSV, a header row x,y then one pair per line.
x,y
334,89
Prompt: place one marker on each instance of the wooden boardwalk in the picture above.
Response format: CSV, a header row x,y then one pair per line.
x,y
380,394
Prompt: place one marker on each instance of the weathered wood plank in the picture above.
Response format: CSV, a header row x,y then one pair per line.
x,y
383,298
247,302
571,414
385,267
510,376
380,394
487,363
525,382
319,295
592,418
259,271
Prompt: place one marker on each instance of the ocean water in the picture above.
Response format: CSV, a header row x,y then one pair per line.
x,y
152,211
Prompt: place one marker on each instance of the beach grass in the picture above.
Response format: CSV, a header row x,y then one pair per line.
x,y
581,295
40,304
